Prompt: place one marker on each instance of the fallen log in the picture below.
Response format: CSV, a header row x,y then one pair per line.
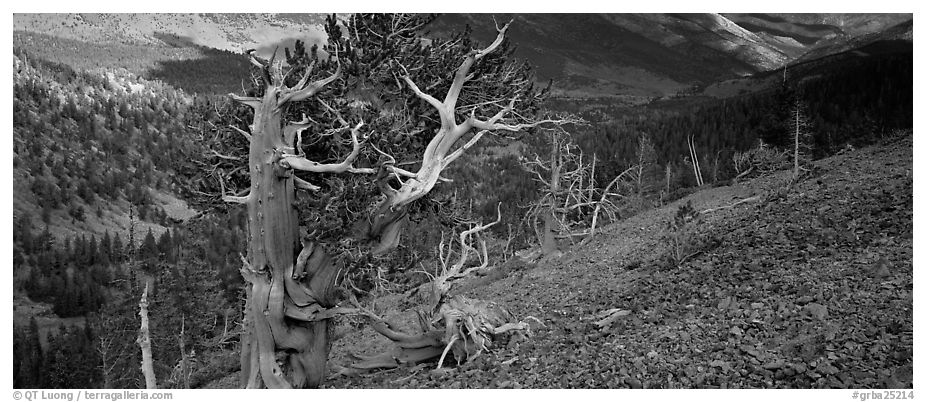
x,y
743,201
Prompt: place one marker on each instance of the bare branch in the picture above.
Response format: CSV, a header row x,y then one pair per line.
x,y
462,74
251,101
242,132
743,201
428,98
489,125
498,41
392,160
302,184
231,158
233,198
253,59
459,151
301,163
467,233
305,77
310,89
337,114
591,231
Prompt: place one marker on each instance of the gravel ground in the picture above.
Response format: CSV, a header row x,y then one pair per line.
x,y
807,288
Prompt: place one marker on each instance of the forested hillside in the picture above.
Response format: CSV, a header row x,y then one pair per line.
x,y
854,98
178,63
96,161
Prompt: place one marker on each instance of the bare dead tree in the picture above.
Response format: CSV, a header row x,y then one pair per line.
x,y
695,166
115,333
621,179
802,136
144,342
183,370
569,195
107,363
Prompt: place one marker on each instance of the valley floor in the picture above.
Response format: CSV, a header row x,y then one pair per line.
x,y
807,288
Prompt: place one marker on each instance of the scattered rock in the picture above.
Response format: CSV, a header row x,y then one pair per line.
x,y
816,310
799,367
775,365
804,300
725,303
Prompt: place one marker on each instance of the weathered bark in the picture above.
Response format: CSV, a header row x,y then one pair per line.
x,y
144,342
450,323
285,344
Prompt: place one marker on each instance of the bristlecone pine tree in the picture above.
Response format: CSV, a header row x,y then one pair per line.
x,y
356,127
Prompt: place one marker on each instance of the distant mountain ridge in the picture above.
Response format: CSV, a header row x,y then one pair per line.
x,y
232,32
636,56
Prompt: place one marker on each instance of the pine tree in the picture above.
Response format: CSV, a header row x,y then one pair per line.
x,y
647,170
149,247
93,256
31,368
118,251
165,245
106,250
483,91
22,233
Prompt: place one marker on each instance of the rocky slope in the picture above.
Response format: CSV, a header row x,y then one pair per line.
x,y
807,288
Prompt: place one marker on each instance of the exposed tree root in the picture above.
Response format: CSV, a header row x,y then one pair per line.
x,y
456,325
469,327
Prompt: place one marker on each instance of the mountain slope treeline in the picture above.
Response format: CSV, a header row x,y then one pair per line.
x,y
854,100
850,99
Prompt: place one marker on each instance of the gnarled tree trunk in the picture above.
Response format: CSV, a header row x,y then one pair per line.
x,y
285,343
